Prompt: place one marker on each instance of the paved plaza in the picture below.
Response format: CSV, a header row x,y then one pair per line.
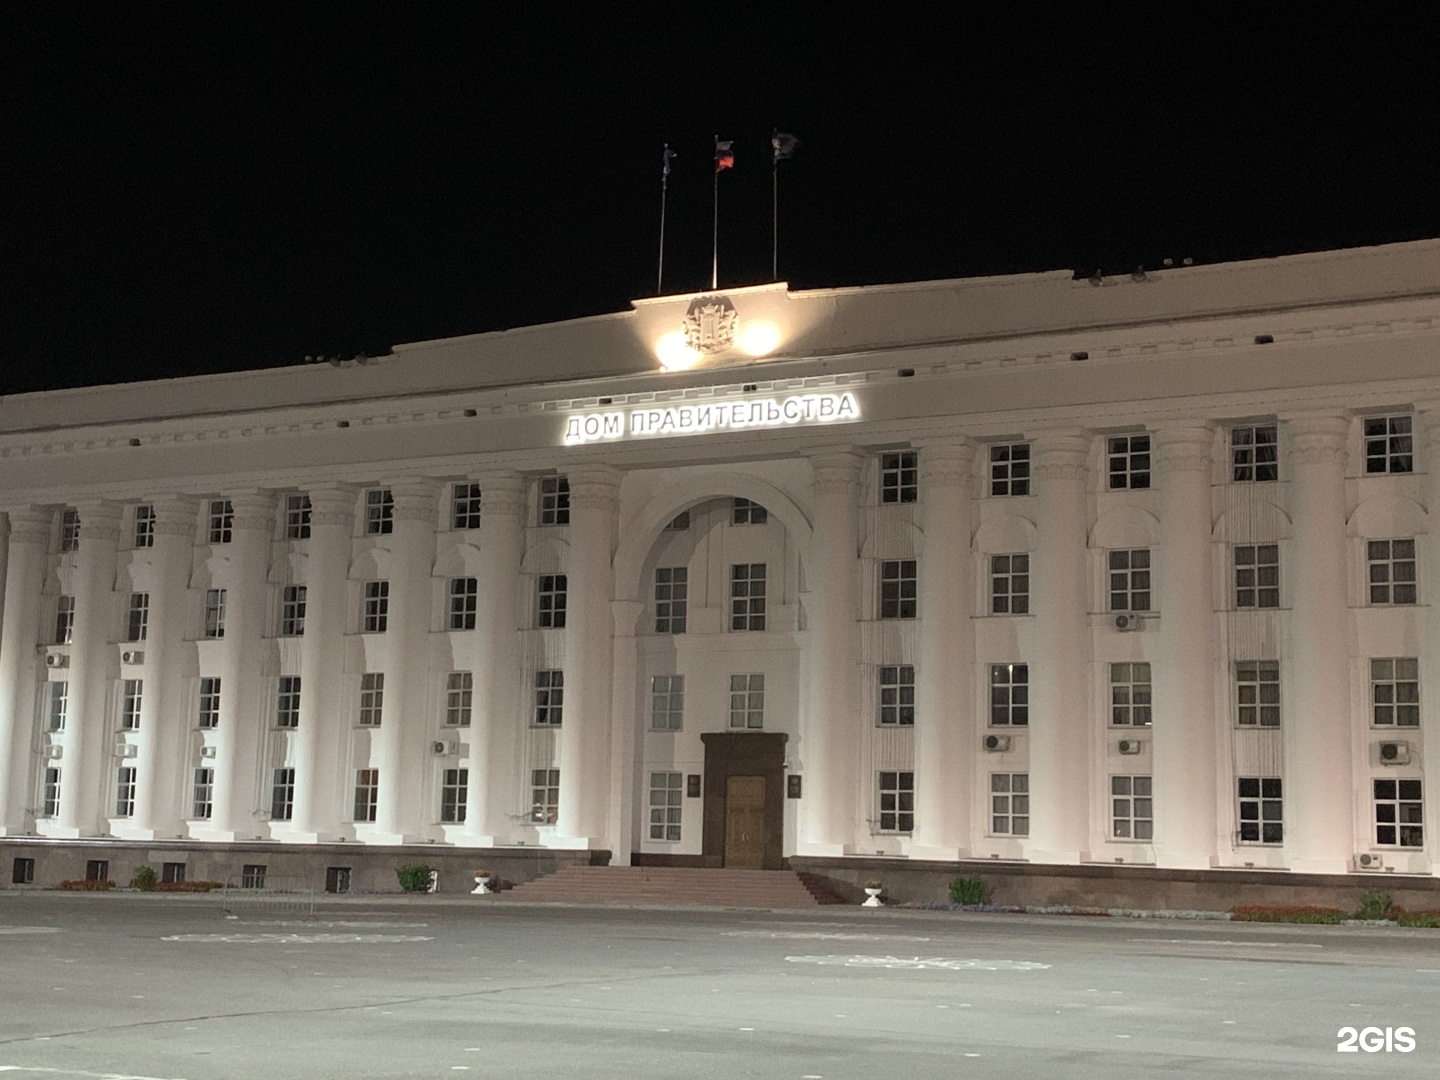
x,y
168,987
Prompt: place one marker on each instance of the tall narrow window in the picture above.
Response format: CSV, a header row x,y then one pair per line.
x,y
747,596
667,702
292,611
222,521
672,584
1399,813
367,794
1254,454
64,620
372,698
214,613
130,694
144,526
897,695
1009,695
1257,575
899,592
464,599
1257,693
1391,571
550,604
125,791
454,792
50,797
897,802
1261,810
899,477
555,500
745,512
465,506
69,531
137,620
202,801
1132,813
1130,695
459,691
379,512
297,517
1389,446
1010,469
1129,461
1395,691
287,702
57,701
282,795
667,800
1010,584
747,702
1010,804
376,615
549,697
208,715
544,796
1130,580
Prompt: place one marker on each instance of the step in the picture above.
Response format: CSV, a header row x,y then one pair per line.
x,y
673,885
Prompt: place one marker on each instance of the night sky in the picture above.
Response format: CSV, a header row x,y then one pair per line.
x,y
190,188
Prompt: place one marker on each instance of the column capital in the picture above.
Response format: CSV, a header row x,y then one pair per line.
x,y
1185,446
415,499
501,492
332,504
947,462
174,515
254,509
592,487
837,469
99,519
1317,439
1061,455
30,524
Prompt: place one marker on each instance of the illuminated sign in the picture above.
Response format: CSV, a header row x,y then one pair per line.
x,y
652,423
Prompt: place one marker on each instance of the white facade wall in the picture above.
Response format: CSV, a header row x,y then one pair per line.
x,y
1311,349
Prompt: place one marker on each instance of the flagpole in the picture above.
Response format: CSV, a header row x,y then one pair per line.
x,y
664,187
715,225
774,216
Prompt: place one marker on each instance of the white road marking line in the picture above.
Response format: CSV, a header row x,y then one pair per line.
x,y
30,930
298,939
917,963
1241,944
80,1072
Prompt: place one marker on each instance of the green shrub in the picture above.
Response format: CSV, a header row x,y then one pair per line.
x,y
144,878
968,891
414,877
1374,905
189,886
1291,913
1428,919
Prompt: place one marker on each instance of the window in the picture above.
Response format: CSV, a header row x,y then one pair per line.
x,y
172,873
214,613
209,713
465,508
202,803
297,517
282,795
671,596
50,798
58,695
555,500
1388,445
376,613
1391,571
1010,584
1261,810
22,872
1395,691
745,512
747,596
97,870
1010,469
69,530
667,702
667,797
1130,695
287,702
292,611
1254,454
1129,459
1257,575
897,696
1130,580
1010,804
379,512
222,521
125,791
899,477
1257,693
897,589
130,691
549,697
459,692
454,791
1399,813
137,621
747,702
144,526
367,794
551,608
372,699
1009,695
252,876
464,598
1132,810
544,796
680,522
64,620
897,802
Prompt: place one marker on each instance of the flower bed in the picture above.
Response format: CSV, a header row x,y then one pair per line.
x,y
86,885
1429,919
1287,913
188,886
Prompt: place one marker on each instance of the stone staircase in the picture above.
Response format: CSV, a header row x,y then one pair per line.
x,y
675,885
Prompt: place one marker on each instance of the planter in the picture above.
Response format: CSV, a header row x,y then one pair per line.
x,y
872,898
482,885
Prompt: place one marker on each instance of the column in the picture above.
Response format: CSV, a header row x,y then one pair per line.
x,y
1183,757
585,730
321,757
401,750
1429,567
161,789
625,615
242,783
84,785
1059,672
1315,693
833,805
497,714
30,530
946,735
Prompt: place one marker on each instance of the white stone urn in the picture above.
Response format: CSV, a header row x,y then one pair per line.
x,y
482,884
872,896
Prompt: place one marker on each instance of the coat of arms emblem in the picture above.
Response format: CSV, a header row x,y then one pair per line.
x,y
710,323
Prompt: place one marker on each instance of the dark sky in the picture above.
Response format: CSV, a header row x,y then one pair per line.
x,y
187,188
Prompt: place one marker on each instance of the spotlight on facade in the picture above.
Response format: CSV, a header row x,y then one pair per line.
x,y
675,353
759,338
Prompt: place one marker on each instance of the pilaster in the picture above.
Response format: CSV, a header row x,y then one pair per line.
x,y
29,536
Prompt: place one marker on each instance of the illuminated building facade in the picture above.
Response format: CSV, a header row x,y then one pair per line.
x,y
1028,567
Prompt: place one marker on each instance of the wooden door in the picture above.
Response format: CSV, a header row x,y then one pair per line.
x,y
745,822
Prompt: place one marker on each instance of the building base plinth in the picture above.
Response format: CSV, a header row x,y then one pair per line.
x,y
939,854
1319,866
1057,858
1183,861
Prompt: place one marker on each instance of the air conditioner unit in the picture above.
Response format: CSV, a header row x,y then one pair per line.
x,y
207,751
54,751
1131,746
132,656
1369,860
125,749
1126,621
1394,753
997,744
441,748
56,659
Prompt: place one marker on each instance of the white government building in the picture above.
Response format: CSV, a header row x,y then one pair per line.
x,y
1133,568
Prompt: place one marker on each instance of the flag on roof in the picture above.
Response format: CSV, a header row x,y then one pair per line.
x,y
666,158
784,144
724,156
